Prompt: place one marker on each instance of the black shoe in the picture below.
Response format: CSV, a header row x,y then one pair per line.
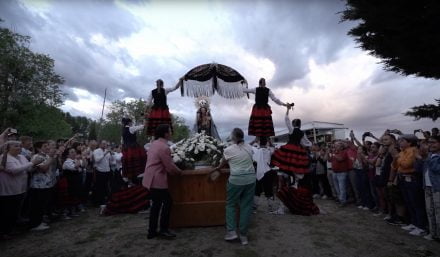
x,y
151,235
167,234
395,222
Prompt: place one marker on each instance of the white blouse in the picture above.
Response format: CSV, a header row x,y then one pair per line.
x,y
13,180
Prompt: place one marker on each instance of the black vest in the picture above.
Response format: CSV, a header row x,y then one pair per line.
x,y
160,98
296,136
127,138
261,96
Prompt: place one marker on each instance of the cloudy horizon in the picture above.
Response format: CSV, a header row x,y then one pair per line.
x,y
300,47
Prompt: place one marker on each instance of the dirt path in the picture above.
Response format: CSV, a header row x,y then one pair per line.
x,y
340,232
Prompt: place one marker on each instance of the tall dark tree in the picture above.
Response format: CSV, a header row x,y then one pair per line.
x,y
404,34
25,76
92,135
428,111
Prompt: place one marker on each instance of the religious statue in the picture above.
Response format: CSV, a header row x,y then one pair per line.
x,y
204,121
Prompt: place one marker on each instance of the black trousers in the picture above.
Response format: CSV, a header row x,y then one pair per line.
x,y
265,184
102,187
161,199
38,202
74,183
321,178
88,185
9,211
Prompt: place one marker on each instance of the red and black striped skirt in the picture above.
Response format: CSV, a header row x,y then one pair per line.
x,y
156,117
298,200
63,198
134,159
128,200
260,123
291,158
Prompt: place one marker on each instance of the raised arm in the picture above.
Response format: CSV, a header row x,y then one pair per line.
x,y
169,90
287,120
134,129
251,90
276,100
149,100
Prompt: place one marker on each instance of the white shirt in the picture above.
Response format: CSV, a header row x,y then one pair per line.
x,y
13,180
240,161
117,157
271,95
102,161
262,157
304,140
167,91
69,164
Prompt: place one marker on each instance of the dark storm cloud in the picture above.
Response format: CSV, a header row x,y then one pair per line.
x,y
64,33
291,32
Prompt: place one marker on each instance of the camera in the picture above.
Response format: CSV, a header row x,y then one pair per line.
x,y
12,131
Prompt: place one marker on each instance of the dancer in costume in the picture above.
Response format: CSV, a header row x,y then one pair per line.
x,y
292,159
159,113
260,123
134,156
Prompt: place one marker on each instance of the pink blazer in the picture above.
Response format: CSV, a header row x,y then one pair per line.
x,y
159,164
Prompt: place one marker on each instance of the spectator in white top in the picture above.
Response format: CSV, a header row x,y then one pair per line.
x,y
265,174
41,184
102,156
72,171
13,185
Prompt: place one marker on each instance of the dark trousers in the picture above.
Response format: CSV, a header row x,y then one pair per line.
x,y
88,184
74,184
161,199
363,187
413,195
323,180
102,187
265,184
9,211
38,201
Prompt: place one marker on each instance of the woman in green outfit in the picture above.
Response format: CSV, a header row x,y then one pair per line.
x,y
240,187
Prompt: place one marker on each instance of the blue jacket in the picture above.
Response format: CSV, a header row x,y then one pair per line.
x,y
432,166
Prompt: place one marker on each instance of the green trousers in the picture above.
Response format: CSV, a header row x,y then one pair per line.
x,y
242,196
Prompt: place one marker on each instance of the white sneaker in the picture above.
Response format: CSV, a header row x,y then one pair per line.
x,y
409,227
316,196
244,240
280,211
428,237
102,209
387,217
231,235
40,227
324,197
365,208
360,207
417,232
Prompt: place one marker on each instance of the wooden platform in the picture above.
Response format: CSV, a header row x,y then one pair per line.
x,y
198,202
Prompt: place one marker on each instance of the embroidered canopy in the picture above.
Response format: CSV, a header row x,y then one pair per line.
x,y
206,79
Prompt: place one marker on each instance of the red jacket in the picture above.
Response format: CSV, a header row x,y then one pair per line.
x,y
340,162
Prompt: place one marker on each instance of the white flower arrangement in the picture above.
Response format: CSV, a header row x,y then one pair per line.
x,y
198,148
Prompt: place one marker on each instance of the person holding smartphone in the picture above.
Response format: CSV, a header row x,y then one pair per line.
x,y
13,185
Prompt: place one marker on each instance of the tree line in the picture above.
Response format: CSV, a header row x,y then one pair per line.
x,y
31,97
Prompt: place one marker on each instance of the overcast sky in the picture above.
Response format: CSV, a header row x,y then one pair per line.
x,y
299,46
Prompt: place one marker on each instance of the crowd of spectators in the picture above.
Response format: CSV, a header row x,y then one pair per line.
x,y
395,176
48,181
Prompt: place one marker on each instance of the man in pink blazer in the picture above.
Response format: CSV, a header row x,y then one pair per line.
x,y
159,164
